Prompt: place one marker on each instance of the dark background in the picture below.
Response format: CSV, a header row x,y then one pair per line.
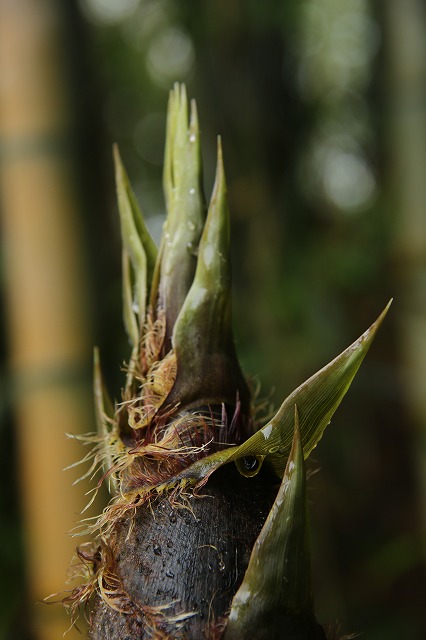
x,y
321,109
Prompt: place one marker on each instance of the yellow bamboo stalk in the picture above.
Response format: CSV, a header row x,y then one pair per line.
x,y
45,293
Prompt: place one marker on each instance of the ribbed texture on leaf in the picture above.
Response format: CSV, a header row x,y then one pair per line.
x,y
317,399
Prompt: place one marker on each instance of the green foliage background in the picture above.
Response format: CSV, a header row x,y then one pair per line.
x,y
303,96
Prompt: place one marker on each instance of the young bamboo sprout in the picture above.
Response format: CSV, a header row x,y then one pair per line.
x,y
169,560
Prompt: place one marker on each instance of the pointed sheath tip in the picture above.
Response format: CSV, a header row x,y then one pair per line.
x,y
216,231
296,436
171,102
193,120
296,456
388,305
220,182
183,98
120,174
116,153
296,420
219,150
176,89
371,331
96,363
103,403
384,312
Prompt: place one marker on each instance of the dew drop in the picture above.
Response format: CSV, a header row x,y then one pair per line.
x,y
157,549
250,463
192,249
170,574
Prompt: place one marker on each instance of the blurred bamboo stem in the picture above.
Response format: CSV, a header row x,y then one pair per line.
x,y
45,292
406,26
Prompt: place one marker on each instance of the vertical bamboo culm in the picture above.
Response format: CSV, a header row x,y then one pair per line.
x,y
45,294
405,24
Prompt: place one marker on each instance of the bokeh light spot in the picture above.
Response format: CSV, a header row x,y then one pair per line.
x,y
108,11
171,56
347,180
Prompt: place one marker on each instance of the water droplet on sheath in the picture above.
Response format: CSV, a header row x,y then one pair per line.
x,y
250,463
